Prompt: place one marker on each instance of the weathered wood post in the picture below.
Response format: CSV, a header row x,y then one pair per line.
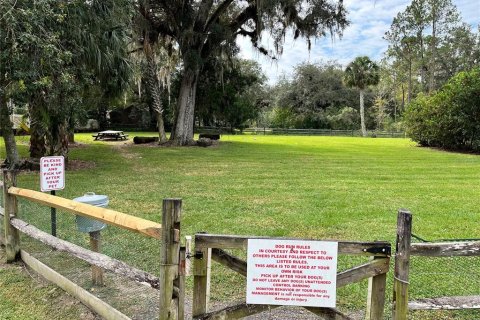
x,y
201,280
402,265
95,245
11,235
2,233
169,258
376,294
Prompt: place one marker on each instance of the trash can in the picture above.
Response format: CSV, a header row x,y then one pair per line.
x,y
88,225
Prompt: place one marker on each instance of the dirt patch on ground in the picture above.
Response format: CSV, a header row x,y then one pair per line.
x,y
74,165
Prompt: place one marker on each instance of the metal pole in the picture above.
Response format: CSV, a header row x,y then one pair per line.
x,y
53,216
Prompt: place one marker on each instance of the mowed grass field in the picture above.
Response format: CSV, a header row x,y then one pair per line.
x,y
284,186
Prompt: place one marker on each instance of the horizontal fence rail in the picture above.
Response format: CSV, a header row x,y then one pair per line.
x,y
313,132
93,302
446,249
323,132
380,248
115,218
95,258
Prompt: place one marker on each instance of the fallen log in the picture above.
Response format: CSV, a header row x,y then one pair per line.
x,y
210,136
142,140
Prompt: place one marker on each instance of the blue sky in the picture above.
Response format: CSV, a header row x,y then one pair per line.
x,y
370,19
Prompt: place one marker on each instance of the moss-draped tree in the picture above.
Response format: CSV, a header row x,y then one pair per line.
x,y
202,28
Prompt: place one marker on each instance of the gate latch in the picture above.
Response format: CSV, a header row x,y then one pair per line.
x,y
196,255
387,250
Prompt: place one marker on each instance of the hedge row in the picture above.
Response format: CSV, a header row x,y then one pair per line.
x,y
449,119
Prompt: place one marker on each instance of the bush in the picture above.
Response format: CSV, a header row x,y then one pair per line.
x,y
450,118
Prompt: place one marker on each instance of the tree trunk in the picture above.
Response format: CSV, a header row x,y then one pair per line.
x,y
162,137
409,96
37,134
182,133
71,130
362,114
58,140
12,160
431,84
154,90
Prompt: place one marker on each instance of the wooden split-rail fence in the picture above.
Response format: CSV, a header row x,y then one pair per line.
x,y
405,249
171,279
173,259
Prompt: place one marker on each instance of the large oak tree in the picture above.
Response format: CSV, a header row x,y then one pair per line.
x,y
202,28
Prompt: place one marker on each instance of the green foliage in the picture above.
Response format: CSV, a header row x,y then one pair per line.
x,y
316,98
282,118
346,118
231,96
49,66
361,73
451,118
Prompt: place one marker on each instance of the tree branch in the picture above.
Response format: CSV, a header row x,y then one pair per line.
x,y
220,9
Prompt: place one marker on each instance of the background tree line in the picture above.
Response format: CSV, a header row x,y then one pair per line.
x,y
176,66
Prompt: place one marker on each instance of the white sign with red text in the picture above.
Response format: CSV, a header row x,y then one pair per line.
x,y
292,272
52,173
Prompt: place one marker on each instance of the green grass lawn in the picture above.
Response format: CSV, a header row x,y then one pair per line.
x,y
308,187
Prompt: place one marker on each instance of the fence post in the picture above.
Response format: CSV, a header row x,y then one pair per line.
x,y
169,258
11,235
402,265
95,246
376,295
201,280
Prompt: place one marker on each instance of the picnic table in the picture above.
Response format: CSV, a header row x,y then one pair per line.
x,y
110,134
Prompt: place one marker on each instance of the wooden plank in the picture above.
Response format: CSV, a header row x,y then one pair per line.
x,y
145,227
201,281
188,254
358,273
88,299
180,282
232,262
446,303
376,294
241,242
169,257
364,271
446,249
93,258
2,241
402,265
11,235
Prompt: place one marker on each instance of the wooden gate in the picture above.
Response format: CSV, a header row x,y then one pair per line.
x,y
211,247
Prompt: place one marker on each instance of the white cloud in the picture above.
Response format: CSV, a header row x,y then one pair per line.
x,y
370,19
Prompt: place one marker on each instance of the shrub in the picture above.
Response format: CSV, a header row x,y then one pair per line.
x,y
450,118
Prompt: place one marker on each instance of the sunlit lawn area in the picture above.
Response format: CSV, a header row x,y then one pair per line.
x,y
307,187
